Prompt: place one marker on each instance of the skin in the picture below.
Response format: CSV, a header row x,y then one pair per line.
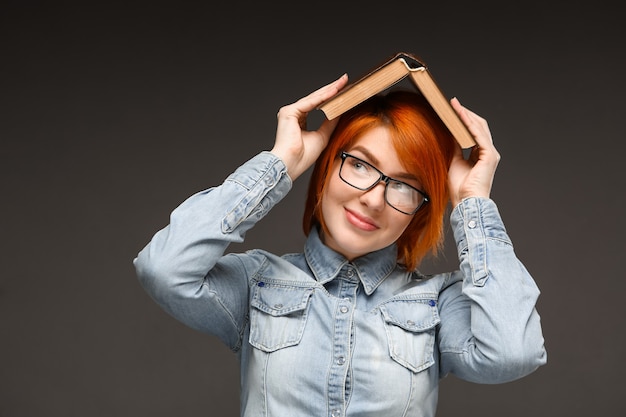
x,y
348,215
362,222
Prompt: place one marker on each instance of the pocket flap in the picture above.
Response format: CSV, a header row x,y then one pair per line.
x,y
278,300
412,315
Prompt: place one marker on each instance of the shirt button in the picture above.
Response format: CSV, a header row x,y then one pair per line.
x,y
278,306
335,413
471,224
344,309
350,272
269,181
411,323
341,360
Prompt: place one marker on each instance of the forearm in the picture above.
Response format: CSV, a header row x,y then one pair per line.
x,y
501,338
173,266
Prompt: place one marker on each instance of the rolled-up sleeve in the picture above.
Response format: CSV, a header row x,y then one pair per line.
x,y
491,331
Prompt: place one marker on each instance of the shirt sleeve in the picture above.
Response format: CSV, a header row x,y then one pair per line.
x,y
184,269
491,330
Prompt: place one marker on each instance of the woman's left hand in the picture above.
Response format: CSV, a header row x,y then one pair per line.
x,y
473,177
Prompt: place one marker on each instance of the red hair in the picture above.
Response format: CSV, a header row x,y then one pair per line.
x,y
423,144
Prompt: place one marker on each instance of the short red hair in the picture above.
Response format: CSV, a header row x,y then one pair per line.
x,y
423,144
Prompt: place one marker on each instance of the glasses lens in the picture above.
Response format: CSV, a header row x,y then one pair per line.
x,y
403,197
359,174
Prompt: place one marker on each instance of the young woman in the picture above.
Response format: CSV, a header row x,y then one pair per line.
x,y
349,327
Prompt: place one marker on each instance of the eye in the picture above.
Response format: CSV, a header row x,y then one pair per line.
x,y
359,166
401,187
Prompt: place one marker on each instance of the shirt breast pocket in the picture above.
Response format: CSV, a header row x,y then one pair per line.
x,y
278,315
410,326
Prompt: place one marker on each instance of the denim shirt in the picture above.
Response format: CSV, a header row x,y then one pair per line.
x,y
318,335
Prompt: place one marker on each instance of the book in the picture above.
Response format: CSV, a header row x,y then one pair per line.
x,y
383,77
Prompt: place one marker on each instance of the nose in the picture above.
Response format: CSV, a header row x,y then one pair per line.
x,y
374,198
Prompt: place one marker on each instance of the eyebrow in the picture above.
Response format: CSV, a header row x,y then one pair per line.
x,y
374,161
367,154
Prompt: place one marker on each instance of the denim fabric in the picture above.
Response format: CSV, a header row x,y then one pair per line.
x,y
318,335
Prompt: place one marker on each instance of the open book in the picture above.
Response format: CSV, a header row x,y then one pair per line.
x,y
386,75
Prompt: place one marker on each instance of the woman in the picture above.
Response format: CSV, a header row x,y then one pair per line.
x,y
349,327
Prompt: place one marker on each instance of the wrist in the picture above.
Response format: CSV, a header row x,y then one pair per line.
x,y
288,161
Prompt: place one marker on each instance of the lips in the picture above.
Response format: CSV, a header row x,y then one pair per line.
x,y
360,221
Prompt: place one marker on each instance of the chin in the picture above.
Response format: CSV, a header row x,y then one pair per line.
x,y
347,247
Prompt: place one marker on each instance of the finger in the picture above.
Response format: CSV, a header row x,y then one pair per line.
x,y
300,109
475,124
458,152
327,127
317,97
303,106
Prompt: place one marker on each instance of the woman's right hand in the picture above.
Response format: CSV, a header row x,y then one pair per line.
x,y
297,147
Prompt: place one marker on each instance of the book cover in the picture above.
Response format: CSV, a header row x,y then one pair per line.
x,y
389,73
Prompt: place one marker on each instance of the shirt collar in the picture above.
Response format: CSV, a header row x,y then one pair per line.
x,y
371,268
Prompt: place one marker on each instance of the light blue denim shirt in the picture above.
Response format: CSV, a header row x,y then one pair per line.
x,y
318,335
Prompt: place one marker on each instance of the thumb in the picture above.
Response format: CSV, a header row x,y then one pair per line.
x,y
326,129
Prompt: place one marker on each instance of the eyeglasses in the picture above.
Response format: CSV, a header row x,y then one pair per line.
x,y
365,176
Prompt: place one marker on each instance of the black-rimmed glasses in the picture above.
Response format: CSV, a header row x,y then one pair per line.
x,y
364,176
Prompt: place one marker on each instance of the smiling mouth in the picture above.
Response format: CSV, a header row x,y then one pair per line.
x,y
360,222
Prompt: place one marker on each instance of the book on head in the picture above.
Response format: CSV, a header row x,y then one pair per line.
x,y
384,76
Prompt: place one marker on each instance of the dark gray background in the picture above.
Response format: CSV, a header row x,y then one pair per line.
x,y
112,115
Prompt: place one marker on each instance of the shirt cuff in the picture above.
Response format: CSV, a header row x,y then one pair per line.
x,y
264,181
475,220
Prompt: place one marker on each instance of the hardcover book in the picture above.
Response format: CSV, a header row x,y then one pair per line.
x,y
391,72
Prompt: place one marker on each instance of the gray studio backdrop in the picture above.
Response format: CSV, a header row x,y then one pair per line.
x,y
112,115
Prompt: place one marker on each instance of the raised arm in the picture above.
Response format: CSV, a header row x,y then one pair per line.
x,y
491,330
183,267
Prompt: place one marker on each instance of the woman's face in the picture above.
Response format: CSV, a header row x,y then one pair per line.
x,y
360,222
